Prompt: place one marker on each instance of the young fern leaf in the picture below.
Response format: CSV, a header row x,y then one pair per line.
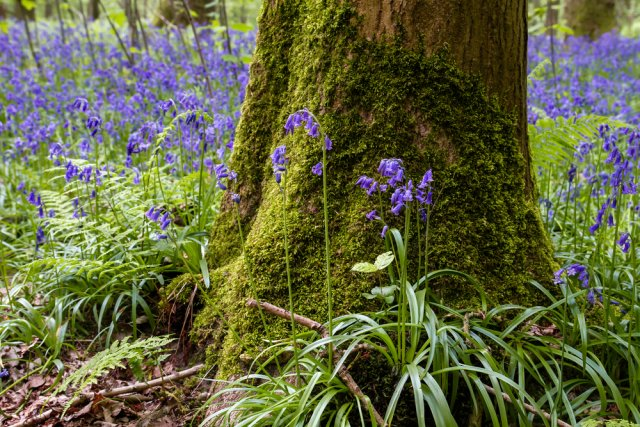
x,y
110,358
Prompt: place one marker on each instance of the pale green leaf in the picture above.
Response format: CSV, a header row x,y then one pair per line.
x,y
241,27
384,260
29,5
364,267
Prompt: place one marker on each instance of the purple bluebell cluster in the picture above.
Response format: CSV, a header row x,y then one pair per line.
x,y
160,217
304,117
103,119
592,77
404,192
279,162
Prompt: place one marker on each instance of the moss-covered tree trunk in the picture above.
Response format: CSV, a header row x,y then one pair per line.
x,y
590,17
435,83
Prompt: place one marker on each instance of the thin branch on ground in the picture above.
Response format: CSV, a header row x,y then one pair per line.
x,y
133,388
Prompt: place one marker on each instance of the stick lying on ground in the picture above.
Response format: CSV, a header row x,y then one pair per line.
x,y
143,385
342,372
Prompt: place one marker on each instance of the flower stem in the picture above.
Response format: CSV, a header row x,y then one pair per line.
x,y
286,255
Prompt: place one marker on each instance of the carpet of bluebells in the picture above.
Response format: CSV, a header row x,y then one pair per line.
x,y
112,172
108,176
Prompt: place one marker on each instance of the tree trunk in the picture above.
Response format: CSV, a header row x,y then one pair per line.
x,y
23,13
590,17
172,11
440,84
93,10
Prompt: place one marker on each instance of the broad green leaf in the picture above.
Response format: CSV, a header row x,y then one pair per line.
x,y
4,27
29,5
562,29
229,58
364,267
118,18
384,260
241,27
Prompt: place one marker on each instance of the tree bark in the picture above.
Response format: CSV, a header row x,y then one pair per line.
x,y
590,18
93,10
440,84
172,11
23,13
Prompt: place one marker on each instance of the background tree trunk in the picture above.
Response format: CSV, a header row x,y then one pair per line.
x,y
93,10
590,17
434,83
22,13
173,11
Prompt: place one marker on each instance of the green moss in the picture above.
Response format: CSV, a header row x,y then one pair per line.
x,y
376,100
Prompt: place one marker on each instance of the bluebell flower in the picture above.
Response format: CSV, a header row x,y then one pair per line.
x,y
317,169
55,150
235,197
165,223
572,172
427,179
624,242
571,271
384,231
314,132
279,162
373,215
32,199
328,144
4,374
80,104
40,238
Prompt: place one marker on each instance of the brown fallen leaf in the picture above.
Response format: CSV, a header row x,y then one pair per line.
x,y
36,381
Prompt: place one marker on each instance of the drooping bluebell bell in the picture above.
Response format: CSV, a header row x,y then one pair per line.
x,y
624,242
373,215
317,169
571,271
279,162
80,104
328,144
4,374
40,238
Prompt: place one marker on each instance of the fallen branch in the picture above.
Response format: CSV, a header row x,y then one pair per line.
x,y
312,324
40,418
153,383
528,407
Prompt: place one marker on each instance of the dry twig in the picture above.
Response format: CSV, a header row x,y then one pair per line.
x,y
133,388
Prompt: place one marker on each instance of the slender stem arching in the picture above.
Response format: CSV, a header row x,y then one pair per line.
x,y
252,283
286,255
327,250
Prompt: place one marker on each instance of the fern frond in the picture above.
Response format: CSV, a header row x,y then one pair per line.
x,y
112,358
554,142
